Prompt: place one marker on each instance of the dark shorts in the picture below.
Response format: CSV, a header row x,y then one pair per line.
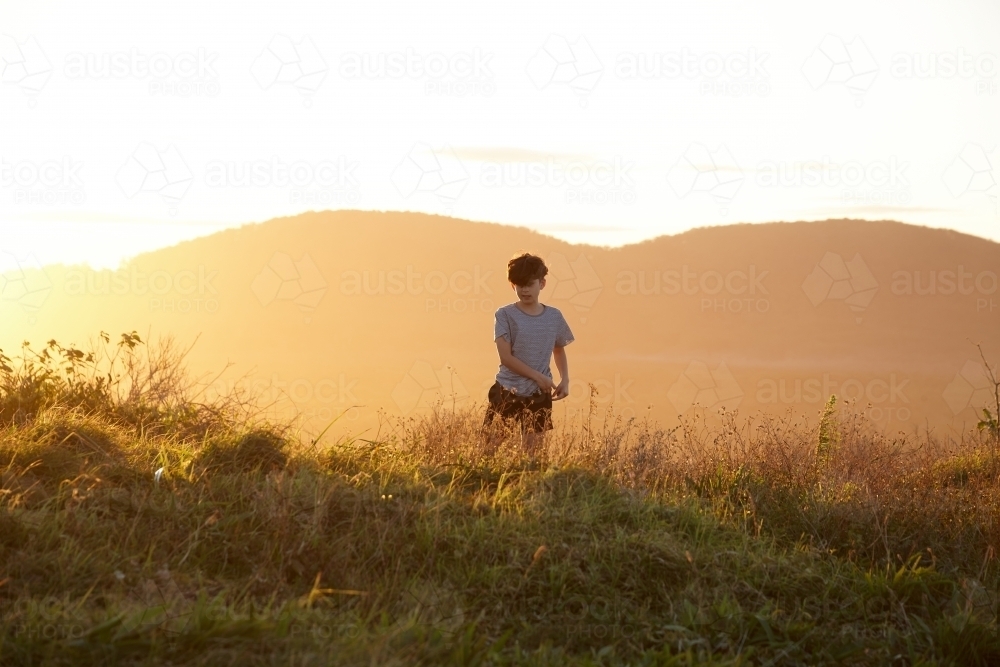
x,y
534,413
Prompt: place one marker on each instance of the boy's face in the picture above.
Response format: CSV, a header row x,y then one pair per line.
x,y
528,294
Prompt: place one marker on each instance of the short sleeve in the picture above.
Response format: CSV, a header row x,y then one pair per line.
x,y
564,336
501,326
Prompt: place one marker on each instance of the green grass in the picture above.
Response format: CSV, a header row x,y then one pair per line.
x,y
625,544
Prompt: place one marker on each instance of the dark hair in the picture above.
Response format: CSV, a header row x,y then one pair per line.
x,y
525,268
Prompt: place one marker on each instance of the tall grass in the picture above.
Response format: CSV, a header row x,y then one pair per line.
x,y
766,540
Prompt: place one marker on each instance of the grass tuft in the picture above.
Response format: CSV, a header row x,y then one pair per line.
x,y
258,449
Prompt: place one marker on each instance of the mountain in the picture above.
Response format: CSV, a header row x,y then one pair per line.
x,y
392,311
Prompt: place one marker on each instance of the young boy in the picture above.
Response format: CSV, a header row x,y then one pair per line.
x,y
527,333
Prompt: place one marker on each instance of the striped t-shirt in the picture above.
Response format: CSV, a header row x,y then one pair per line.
x,y
532,338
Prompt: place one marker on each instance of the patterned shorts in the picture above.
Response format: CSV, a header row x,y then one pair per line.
x,y
533,413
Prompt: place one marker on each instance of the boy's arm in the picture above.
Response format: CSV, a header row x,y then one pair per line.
x,y
508,359
562,390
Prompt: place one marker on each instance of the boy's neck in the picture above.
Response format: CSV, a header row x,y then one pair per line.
x,y
534,309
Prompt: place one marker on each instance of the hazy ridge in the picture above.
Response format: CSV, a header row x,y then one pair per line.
x,y
395,310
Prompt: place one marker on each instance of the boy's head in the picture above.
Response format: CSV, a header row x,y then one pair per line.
x,y
526,273
526,268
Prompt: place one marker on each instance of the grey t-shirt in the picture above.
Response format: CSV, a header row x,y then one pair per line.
x,y
532,338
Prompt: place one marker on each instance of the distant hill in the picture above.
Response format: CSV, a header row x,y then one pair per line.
x,y
395,310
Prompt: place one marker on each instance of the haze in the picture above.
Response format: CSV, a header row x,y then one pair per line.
x,y
281,182
646,120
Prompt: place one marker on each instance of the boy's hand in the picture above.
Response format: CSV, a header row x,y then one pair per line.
x,y
562,390
545,384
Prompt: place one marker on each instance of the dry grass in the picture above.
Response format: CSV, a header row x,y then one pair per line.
x,y
760,541
858,493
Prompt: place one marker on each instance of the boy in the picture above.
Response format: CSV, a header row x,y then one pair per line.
x,y
527,333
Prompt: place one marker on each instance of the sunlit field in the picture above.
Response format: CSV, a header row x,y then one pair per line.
x,y
141,525
396,333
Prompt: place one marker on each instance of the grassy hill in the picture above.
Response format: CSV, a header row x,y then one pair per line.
x,y
140,524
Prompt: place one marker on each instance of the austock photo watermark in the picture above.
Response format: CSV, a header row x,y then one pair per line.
x,y
23,282
167,291
573,283
47,182
848,281
704,171
575,64
473,289
563,61
837,61
706,385
873,182
853,282
150,171
884,398
451,74
979,68
981,286
582,182
588,616
585,182
325,398
165,74
460,291
327,182
975,171
431,171
286,279
731,74
287,62
24,65
609,392
49,632
716,386
163,172
159,594
425,386
716,173
443,385
849,62
741,290
971,389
